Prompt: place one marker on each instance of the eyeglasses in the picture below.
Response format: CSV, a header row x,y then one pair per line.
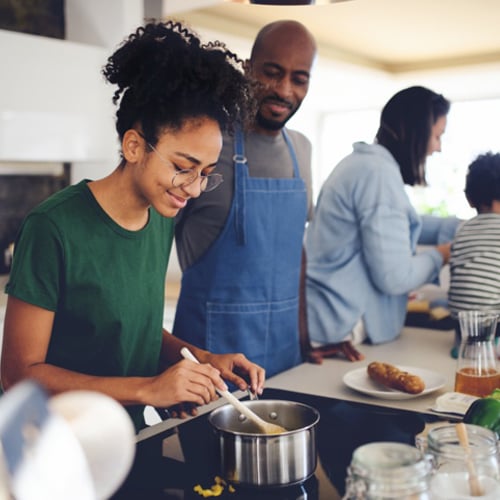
x,y
208,182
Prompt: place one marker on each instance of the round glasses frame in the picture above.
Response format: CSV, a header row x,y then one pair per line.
x,y
185,177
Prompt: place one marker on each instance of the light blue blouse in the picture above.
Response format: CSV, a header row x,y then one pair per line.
x,y
361,249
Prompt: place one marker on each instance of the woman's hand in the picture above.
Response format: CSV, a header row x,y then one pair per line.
x,y
239,370
444,249
234,368
184,382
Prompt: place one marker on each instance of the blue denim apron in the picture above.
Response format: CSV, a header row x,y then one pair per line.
x,y
242,294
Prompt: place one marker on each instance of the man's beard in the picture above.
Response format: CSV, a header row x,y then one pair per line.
x,y
272,125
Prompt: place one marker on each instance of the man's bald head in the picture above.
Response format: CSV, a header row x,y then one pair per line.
x,y
280,32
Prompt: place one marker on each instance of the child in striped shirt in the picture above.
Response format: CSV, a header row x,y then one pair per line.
x,y
475,252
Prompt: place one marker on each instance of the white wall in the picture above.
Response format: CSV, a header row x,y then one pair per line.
x,y
104,24
53,102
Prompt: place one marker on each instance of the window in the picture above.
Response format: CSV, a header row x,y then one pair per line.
x,y
473,128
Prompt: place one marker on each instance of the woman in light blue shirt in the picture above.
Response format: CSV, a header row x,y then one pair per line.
x,y
361,243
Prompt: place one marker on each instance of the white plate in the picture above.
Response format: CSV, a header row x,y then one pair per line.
x,y
359,380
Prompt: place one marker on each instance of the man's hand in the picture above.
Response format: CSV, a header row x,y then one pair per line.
x,y
345,349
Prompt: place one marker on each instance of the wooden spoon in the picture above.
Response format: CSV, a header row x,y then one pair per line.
x,y
265,427
475,487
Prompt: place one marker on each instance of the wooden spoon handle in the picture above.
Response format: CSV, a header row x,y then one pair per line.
x,y
474,485
186,353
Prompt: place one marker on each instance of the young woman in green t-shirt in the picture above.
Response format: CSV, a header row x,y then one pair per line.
x,y
86,290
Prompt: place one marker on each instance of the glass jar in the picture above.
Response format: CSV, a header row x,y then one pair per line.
x,y
388,471
449,458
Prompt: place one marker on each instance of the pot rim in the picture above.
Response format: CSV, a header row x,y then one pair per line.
x,y
220,409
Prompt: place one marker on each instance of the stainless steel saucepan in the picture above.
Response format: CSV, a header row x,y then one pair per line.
x,y
249,457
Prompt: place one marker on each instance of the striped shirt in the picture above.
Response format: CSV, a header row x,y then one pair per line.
x,y
475,265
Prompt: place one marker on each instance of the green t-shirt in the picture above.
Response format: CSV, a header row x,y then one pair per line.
x,y
104,283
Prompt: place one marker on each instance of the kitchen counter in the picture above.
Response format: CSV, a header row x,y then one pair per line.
x,y
418,347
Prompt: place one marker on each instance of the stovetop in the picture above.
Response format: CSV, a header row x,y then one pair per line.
x,y
171,464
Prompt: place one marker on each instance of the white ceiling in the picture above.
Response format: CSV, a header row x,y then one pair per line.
x,y
392,35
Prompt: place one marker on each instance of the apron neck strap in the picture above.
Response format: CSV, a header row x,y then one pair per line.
x,y
296,172
241,173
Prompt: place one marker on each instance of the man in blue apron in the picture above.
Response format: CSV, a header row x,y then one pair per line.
x,y
240,246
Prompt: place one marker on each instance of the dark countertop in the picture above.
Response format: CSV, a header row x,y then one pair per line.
x,y
190,454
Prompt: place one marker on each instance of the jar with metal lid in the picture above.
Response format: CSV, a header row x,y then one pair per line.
x,y
388,471
451,463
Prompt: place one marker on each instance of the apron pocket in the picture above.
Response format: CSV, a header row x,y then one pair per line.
x,y
266,332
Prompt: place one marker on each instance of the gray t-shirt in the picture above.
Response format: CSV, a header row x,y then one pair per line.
x,y
199,224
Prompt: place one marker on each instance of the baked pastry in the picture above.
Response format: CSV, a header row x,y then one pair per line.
x,y
391,376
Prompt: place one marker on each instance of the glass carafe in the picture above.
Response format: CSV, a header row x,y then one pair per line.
x,y
477,371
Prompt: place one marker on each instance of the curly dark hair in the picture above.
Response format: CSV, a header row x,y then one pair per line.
x,y
405,128
165,76
482,183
